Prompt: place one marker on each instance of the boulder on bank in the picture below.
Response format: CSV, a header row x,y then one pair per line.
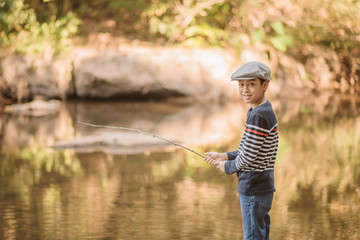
x,y
153,72
36,108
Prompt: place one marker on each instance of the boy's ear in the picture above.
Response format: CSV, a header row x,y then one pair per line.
x,y
265,85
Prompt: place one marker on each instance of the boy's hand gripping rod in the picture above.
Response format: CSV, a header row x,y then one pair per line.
x,y
146,133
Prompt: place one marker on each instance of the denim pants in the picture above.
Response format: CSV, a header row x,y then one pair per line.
x,y
255,216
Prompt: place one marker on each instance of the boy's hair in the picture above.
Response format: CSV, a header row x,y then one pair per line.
x,y
262,81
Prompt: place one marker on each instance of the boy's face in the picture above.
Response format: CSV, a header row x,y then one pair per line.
x,y
252,91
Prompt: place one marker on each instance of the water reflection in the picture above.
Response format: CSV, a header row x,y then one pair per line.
x,y
173,194
188,124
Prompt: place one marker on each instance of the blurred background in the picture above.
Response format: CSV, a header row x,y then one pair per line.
x,y
164,67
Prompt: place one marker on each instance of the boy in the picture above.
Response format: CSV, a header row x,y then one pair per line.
x,y
254,161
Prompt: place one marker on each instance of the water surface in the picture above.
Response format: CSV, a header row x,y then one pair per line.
x,y
171,193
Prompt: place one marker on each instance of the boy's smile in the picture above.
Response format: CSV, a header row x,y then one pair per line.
x,y
252,91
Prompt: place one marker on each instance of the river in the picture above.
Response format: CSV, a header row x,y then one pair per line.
x,y
136,187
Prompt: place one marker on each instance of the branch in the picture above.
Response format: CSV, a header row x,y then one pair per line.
x,y
146,133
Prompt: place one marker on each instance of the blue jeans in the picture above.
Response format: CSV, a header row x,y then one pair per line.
x,y
255,216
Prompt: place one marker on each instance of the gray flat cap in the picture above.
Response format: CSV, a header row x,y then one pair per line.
x,y
252,70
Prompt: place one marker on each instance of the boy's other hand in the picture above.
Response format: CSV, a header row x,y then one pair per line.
x,y
220,165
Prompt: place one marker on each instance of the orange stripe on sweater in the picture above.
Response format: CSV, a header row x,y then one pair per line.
x,y
256,132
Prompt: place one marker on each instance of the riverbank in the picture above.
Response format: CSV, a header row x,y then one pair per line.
x,y
104,67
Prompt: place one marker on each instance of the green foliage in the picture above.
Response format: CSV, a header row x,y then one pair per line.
x,y
214,36
277,36
259,35
21,30
305,110
327,22
44,24
278,27
220,22
282,40
192,23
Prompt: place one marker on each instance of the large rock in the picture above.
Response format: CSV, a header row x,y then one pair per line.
x,y
155,72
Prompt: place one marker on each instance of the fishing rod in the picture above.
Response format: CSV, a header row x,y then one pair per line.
x,y
146,133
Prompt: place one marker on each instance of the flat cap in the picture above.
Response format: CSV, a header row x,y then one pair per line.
x,y
252,70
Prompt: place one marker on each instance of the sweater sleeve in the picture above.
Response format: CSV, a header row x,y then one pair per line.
x,y
232,155
256,131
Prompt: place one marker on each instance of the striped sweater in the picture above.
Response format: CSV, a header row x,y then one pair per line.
x,y
254,160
